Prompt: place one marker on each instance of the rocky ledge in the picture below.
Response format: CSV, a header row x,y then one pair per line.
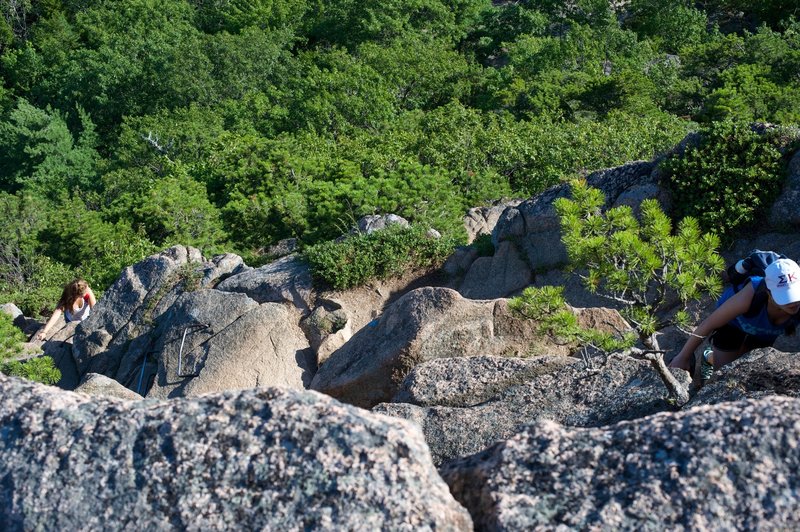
x,y
270,458
732,466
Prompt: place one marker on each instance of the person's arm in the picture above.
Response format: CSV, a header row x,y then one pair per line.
x,y
92,300
738,304
57,313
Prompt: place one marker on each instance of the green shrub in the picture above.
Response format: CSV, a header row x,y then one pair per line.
x,y
729,179
639,261
41,369
379,255
37,289
11,338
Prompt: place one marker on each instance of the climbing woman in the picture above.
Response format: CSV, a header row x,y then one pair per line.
x,y
75,304
754,316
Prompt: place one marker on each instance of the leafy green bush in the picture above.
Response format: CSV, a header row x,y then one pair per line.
x,y
41,369
638,262
39,290
730,178
379,255
541,152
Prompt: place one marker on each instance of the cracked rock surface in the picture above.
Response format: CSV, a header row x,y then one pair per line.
x,y
732,466
272,458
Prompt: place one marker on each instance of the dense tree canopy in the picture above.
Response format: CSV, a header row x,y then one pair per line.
x,y
130,125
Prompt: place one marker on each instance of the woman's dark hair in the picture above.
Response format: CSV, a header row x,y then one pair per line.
x,y
72,291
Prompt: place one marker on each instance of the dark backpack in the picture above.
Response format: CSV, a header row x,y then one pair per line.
x,y
754,265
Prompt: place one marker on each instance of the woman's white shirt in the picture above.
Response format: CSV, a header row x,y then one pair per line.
x,y
78,315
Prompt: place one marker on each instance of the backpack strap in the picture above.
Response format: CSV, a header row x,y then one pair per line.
x,y
791,325
759,301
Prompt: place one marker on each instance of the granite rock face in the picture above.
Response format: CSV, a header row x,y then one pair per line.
x,y
504,273
481,220
101,386
211,341
286,280
424,324
534,225
558,389
166,328
527,235
126,310
12,310
733,466
272,459
760,373
470,381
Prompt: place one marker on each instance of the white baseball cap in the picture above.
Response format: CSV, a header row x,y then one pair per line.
x,y
783,280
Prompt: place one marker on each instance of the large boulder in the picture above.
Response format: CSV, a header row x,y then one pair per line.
x,y
377,222
480,221
166,322
459,262
361,305
470,381
265,459
733,466
504,273
12,310
424,324
212,341
127,309
286,280
220,268
559,390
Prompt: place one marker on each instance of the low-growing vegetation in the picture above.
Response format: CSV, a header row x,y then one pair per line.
x,y
639,262
127,126
729,180
40,369
363,257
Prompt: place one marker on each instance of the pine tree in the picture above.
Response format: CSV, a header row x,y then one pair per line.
x,y
654,272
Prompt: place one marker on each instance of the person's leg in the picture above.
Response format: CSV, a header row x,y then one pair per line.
x,y
727,344
719,358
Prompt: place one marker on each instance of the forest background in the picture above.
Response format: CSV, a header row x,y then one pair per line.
x,y
130,125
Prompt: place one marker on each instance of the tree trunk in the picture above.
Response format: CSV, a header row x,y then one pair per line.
x,y
677,392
